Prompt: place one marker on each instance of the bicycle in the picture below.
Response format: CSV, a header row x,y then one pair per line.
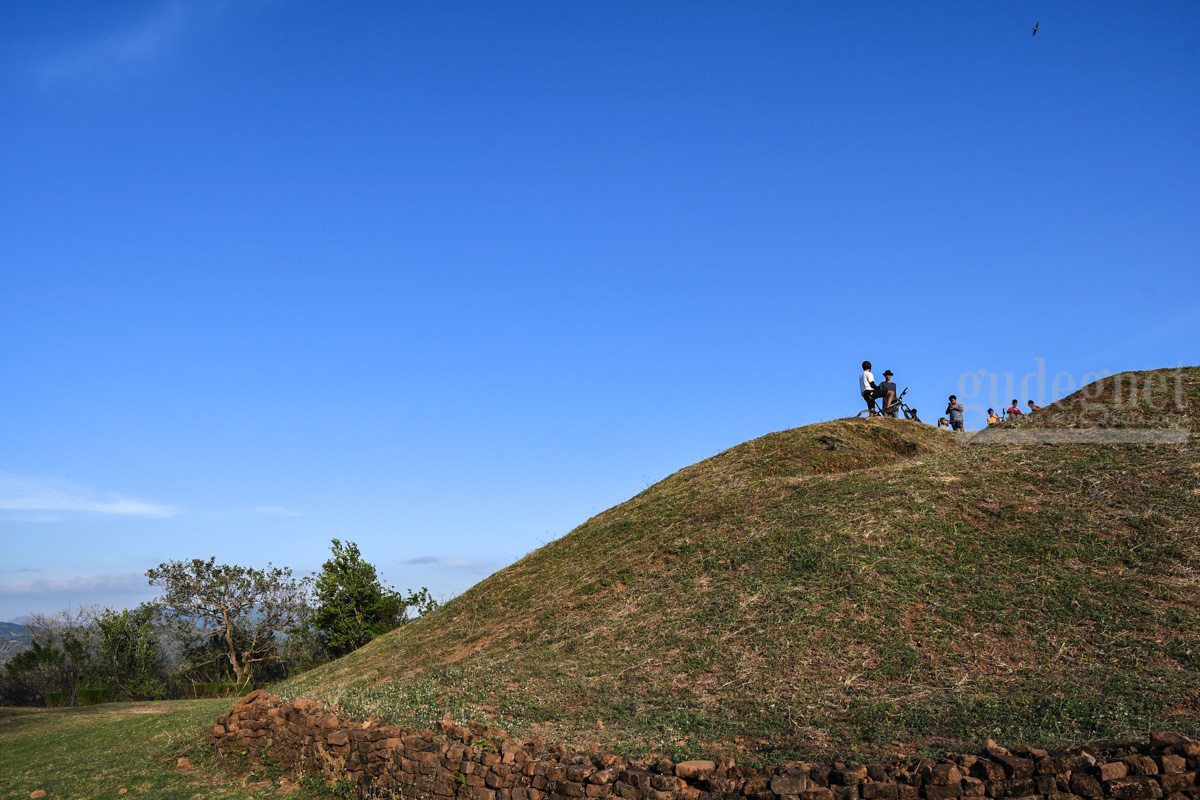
x,y
898,406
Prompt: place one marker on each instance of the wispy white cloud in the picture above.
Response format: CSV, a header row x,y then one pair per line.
x,y
38,518
95,584
31,494
137,45
451,562
276,511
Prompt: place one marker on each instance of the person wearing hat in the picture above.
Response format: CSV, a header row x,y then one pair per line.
x,y
887,390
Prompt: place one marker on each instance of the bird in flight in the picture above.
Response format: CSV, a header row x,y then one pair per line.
x,y
1035,27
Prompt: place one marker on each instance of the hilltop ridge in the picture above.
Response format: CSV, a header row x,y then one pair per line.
x,y
855,584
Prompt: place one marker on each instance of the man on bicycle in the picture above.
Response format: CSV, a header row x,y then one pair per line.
x,y
888,391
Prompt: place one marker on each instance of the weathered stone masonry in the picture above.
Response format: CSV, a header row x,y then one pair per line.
x,y
479,763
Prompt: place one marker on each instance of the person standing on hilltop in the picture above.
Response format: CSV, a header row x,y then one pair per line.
x,y
954,410
867,388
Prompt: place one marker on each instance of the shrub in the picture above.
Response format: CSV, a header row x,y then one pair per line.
x,y
92,696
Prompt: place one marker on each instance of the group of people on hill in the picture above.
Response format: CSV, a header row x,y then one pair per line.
x,y
954,411
1012,412
953,420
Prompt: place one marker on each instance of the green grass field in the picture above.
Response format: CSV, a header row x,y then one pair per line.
x,y
92,753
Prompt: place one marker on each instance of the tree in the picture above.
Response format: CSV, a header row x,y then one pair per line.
x,y
242,608
32,674
353,606
58,659
128,657
303,649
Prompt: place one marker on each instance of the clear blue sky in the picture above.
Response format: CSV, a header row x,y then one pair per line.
x,y
446,279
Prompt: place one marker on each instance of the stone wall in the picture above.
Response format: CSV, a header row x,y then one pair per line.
x,y
480,763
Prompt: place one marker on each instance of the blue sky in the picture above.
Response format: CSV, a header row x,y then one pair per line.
x,y
447,279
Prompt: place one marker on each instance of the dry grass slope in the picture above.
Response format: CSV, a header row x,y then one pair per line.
x,y
853,585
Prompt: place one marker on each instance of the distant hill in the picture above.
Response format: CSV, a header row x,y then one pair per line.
x,y
10,632
855,585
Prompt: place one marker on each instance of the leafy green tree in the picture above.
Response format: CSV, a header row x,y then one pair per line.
x,y
128,657
353,606
32,673
244,611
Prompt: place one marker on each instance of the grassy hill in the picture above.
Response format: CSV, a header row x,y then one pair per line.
x,y
867,585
